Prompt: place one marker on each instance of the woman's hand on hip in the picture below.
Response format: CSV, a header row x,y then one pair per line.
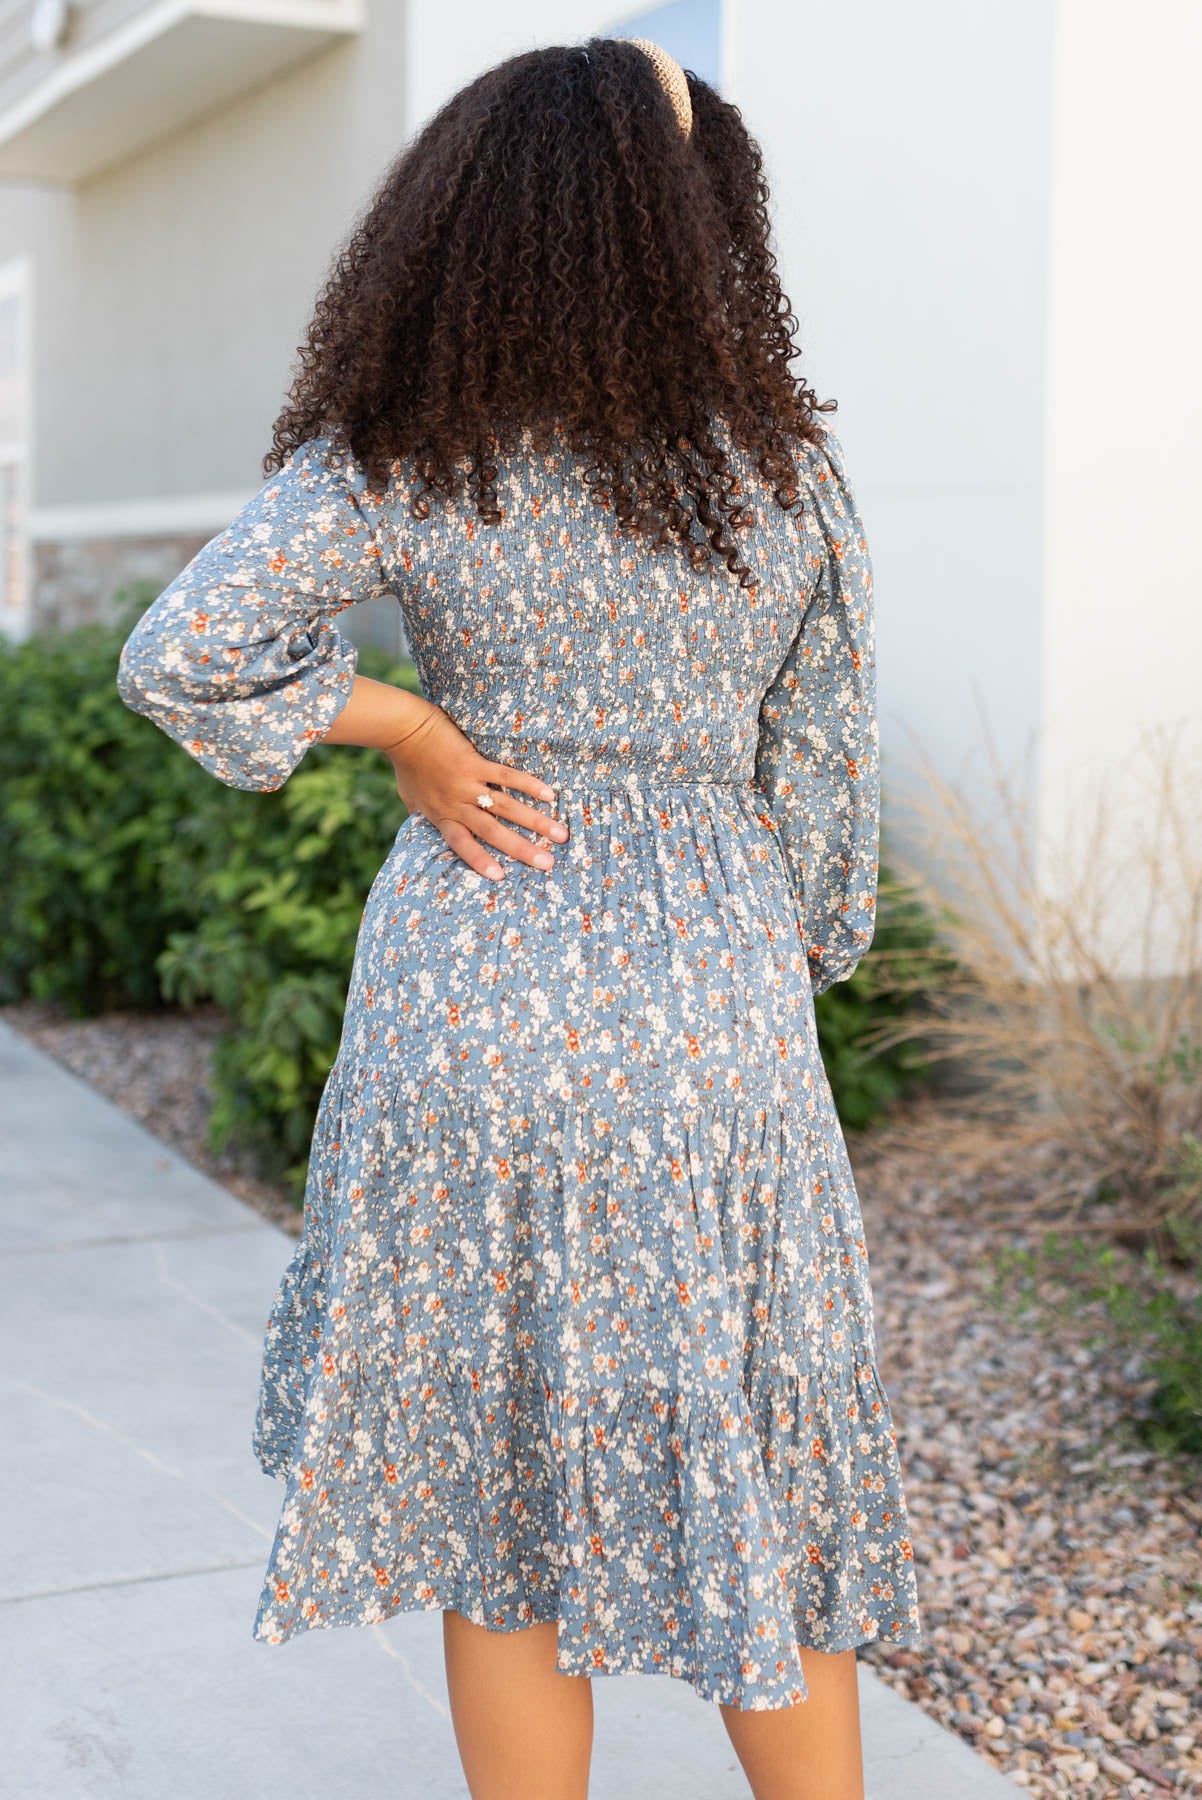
x,y
439,773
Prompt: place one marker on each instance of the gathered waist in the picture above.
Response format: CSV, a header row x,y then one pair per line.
x,y
568,767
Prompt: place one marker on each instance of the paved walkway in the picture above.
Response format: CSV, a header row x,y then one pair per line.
x,y
137,1523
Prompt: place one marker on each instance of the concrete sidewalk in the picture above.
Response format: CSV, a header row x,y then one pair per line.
x,y
137,1523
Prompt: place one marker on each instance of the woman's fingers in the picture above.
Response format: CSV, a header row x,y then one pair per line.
x,y
516,812
518,778
490,828
494,831
471,843
468,848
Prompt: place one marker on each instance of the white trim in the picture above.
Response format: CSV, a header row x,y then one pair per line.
x,y
173,515
16,275
72,72
79,69
16,278
728,58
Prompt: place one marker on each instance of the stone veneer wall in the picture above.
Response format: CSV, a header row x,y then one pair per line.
x,y
80,581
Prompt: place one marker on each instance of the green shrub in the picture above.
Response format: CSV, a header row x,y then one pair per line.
x,y
1145,1305
278,884
868,1065
132,879
91,803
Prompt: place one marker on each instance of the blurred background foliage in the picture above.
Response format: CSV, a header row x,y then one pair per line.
x,y
133,879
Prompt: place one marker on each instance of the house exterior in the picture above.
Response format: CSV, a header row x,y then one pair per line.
x,y
988,223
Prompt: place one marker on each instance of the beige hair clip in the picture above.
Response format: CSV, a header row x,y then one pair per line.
x,y
671,78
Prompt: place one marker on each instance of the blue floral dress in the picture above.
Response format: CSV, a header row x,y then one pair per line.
x,y
580,1326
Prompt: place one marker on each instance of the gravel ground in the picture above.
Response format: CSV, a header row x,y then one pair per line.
x,y
1059,1568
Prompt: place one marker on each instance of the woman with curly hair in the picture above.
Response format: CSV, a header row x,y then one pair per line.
x,y
577,1346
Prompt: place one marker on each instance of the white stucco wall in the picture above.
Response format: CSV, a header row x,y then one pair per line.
x,y
987,220
1122,618
174,288
909,147
193,271
181,280
908,153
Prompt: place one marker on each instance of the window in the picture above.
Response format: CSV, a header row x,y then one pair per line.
x,y
689,30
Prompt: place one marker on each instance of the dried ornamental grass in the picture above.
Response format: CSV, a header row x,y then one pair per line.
x,y
1070,1003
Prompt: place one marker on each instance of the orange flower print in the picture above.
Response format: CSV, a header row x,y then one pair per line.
x,y
581,1301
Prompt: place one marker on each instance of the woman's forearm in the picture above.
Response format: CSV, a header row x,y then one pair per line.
x,y
441,775
378,716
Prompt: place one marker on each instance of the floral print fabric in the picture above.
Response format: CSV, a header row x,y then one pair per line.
x,y
580,1326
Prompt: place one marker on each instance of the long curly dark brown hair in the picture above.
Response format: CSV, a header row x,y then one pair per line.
x,y
551,250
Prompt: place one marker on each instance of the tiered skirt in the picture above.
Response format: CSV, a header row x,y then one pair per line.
x,y
580,1325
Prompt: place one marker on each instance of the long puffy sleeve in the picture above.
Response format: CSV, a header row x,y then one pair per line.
x,y
237,659
818,756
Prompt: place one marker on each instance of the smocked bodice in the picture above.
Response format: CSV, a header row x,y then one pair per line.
x,y
551,637
557,644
